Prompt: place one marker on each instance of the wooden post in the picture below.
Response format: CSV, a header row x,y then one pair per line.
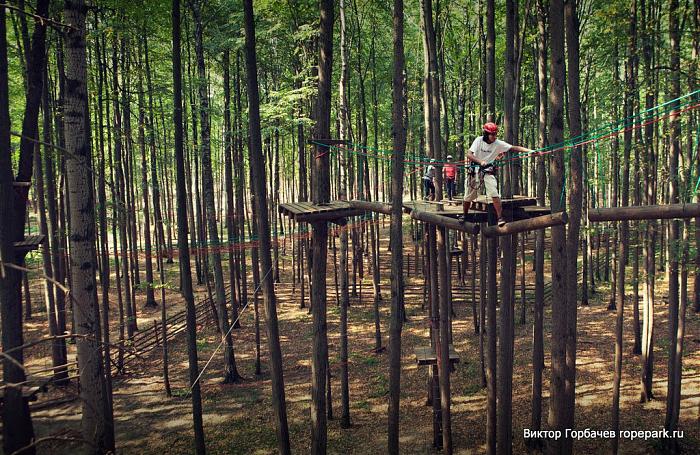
x,y
321,195
434,333
445,221
540,222
378,207
442,350
492,252
646,212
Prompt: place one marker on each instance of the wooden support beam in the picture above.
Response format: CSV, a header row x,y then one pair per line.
x,y
531,224
645,212
445,221
327,216
377,207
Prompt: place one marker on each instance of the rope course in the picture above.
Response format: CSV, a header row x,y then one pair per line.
x,y
676,106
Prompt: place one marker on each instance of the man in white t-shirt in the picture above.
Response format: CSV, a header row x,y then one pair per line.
x,y
484,151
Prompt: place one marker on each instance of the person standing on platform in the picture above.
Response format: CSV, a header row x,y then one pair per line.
x,y
429,181
484,151
449,173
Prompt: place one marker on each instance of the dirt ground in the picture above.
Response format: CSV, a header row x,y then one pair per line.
x,y
238,418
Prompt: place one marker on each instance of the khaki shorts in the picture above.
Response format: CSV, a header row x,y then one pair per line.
x,y
473,184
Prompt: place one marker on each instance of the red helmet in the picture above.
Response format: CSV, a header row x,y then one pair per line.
x,y
490,128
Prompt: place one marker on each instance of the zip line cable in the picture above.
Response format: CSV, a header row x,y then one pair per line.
x,y
608,130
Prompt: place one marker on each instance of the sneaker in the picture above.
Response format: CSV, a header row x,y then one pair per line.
x,y
501,222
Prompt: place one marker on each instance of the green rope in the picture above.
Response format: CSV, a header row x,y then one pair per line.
x,y
586,136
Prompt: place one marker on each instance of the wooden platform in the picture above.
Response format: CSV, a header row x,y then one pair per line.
x,y
483,203
309,212
425,355
439,208
516,208
30,243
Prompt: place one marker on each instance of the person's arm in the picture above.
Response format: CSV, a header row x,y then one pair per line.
x,y
518,149
471,157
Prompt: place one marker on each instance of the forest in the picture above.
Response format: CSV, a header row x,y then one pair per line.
x,y
230,226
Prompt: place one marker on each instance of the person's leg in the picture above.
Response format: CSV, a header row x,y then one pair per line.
x,y
491,185
471,191
497,206
465,207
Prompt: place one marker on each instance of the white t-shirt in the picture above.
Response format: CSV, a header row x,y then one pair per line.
x,y
488,152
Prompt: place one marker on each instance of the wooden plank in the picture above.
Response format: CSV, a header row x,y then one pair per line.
x,y
329,215
29,243
425,355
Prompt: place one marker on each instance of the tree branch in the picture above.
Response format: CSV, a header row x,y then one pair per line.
x,y
42,20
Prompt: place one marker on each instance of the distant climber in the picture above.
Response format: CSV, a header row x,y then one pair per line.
x,y
429,181
449,173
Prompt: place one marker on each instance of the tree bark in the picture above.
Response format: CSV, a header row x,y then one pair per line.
x,y
557,401
230,369
97,421
398,131
575,205
343,192
676,309
538,320
18,430
258,172
182,231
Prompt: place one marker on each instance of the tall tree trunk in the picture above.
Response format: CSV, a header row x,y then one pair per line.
x,y
320,195
575,205
158,220
343,192
119,189
148,248
258,172
97,421
624,225
230,196
490,62
58,346
240,184
398,131
182,230
649,166
676,315
230,370
102,220
18,430
695,58
557,401
538,320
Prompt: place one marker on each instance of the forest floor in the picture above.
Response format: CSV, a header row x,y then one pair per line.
x,y
239,418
